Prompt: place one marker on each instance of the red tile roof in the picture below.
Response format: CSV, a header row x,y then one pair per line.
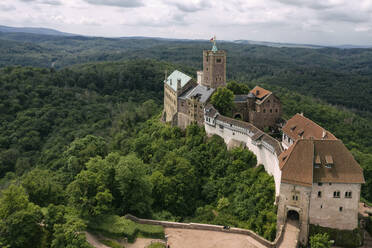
x,y
337,164
300,127
260,92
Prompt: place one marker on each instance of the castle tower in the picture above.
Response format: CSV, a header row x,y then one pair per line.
x,y
214,67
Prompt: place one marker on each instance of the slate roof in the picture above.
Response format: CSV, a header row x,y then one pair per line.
x,y
201,91
300,127
297,163
210,111
240,98
173,78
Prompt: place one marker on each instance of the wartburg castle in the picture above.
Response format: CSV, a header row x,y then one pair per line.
x,y
317,180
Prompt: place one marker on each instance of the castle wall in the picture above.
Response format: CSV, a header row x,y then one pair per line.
x,y
325,210
267,112
170,103
264,156
295,198
242,109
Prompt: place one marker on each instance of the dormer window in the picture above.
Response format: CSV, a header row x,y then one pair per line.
x,y
329,161
284,158
293,127
301,132
317,162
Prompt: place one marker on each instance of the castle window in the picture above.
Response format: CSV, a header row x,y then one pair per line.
x,y
264,110
233,133
221,126
218,60
276,110
348,194
319,194
320,184
271,110
329,161
317,161
336,194
321,206
201,107
295,197
340,209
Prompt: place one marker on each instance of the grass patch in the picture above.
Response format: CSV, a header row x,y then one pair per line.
x,y
111,243
156,245
114,226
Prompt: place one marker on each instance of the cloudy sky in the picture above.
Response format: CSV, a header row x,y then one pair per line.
x,y
331,22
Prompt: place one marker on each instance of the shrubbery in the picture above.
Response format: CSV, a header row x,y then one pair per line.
x,y
114,226
343,238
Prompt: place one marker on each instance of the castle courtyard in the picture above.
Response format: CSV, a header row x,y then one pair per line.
x,y
186,238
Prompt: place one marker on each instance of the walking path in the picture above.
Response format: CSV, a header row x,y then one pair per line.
x,y
291,233
93,240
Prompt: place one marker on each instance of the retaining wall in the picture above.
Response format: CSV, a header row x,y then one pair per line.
x,y
208,227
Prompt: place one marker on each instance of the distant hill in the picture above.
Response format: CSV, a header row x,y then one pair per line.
x,y
277,44
44,31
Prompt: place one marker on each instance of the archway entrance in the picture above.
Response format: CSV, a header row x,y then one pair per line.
x,y
238,116
293,215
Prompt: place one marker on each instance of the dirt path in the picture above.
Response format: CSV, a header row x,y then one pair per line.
x,y
186,238
290,235
93,241
140,243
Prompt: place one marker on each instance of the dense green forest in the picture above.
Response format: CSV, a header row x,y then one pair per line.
x,y
75,141
338,76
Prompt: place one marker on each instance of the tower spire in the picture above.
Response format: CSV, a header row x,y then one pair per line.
x,y
214,48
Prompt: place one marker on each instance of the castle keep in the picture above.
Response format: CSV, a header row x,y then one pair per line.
x,y
317,180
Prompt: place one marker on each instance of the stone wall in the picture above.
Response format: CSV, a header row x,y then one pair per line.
x,y
214,69
208,227
267,113
325,210
295,198
268,158
170,103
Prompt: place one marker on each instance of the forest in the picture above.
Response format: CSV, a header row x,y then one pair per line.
x,y
75,141
338,76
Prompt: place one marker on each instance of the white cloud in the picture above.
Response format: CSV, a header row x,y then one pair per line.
x,y
117,3
301,21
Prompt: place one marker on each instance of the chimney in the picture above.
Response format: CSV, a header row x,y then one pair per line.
x,y
178,84
324,134
165,75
